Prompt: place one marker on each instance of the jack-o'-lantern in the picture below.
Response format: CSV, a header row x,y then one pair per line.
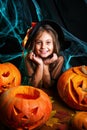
x,y
79,121
72,87
9,76
24,107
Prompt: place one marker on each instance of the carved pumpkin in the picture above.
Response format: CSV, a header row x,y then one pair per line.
x,y
9,76
79,121
24,107
72,87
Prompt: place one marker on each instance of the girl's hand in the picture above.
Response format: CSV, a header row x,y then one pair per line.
x,y
35,58
52,59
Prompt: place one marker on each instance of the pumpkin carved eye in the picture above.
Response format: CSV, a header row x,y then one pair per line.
x,y
34,110
6,74
16,110
74,91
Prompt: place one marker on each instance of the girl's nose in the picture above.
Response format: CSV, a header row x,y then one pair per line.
x,y
43,45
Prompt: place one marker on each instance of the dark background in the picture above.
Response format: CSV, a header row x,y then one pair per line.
x,y
16,17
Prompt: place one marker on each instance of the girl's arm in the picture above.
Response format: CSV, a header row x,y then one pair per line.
x,y
36,73
58,67
37,76
29,69
46,76
51,75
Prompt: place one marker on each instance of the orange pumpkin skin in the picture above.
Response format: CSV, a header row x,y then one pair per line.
x,y
79,121
9,76
72,87
24,107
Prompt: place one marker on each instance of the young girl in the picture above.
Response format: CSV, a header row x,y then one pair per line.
x,y
43,61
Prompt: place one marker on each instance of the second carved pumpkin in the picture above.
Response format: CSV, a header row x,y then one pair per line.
x,y
72,87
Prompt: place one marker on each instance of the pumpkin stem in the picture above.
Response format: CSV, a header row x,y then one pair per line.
x,y
83,69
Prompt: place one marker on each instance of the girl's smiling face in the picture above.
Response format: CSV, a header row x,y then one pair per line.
x,y
44,45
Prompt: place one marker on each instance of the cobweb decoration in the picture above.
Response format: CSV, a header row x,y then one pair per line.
x,y
15,18
76,50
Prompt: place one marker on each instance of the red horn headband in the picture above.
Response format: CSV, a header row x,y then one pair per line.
x,y
33,24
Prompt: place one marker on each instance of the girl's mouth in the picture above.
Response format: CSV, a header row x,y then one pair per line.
x,y
44,51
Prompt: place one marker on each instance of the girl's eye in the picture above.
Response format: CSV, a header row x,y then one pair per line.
x,y
48,43
38,42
